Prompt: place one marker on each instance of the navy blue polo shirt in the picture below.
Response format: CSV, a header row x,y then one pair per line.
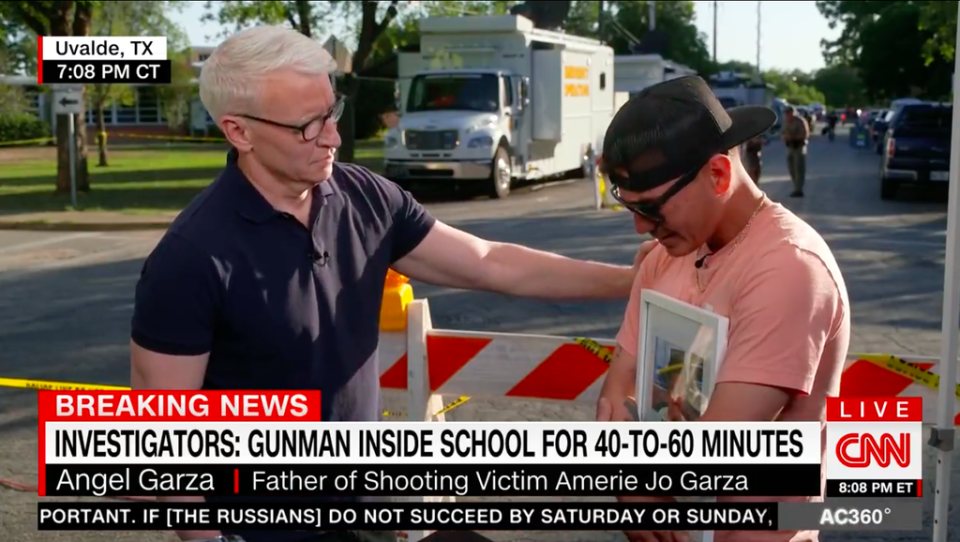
x,y
276,304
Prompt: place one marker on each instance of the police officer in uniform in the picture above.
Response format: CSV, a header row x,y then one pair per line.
x,y
796,134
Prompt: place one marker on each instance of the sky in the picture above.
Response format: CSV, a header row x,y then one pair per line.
x,y
790,32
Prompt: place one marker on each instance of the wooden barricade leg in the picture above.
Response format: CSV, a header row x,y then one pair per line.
x,y
421,403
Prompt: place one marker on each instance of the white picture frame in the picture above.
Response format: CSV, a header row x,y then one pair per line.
x,y
679,351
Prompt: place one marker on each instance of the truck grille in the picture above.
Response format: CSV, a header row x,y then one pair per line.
x,y
435,140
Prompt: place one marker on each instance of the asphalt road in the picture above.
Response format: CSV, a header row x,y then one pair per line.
x,y
66,300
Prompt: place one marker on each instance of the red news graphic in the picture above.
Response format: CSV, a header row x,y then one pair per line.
x,y
170,406
874,447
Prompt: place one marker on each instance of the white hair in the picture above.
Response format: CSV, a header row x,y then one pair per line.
x,y
231,79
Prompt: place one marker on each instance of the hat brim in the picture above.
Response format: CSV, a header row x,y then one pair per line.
x,y
746,123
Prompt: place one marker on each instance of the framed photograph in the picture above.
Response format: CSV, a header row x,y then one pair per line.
x,y
680,349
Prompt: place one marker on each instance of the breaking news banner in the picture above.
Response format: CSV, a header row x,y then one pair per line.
x,y
102,60
874,447
135,443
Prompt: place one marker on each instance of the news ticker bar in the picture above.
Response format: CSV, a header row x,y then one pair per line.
x,y
554,516
90,72
393,480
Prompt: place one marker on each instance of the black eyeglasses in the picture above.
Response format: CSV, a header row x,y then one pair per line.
x,y
311,129
650,209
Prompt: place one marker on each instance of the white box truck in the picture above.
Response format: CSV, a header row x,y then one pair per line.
x,y
491,100
637,72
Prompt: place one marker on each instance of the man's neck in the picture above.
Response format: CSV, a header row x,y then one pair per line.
x,y
741,207
285,196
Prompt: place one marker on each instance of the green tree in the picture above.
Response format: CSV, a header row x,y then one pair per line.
x,y
685,44
13,57
790,86
841,86
18,45
939,19
118,18
58,18
852,17
306,17
896,47
177,97
405,32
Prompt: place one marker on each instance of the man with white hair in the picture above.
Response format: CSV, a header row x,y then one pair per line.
x,y
272,278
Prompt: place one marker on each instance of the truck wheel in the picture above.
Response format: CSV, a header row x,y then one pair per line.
x,y
501,175
586,166
888,189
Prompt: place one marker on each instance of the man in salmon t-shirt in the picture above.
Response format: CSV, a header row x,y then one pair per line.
x,y
672,156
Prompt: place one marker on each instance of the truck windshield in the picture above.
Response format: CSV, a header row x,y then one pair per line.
x,y
472,92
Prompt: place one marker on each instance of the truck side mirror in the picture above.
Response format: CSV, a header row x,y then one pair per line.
x,y
396,96
525,92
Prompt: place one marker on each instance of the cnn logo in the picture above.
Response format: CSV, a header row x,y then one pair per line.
x,y
862,450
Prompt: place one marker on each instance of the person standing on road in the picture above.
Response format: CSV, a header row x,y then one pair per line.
x,y
672,156
272,278
796,134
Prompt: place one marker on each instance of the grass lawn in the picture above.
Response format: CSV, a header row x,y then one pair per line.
x,y
139,180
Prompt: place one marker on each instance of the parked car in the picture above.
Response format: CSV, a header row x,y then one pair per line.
x,y
878,128
916,148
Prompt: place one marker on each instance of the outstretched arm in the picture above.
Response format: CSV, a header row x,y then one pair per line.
x,y
457,259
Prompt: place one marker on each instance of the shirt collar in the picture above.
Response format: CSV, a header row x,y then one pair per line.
x,y
251,204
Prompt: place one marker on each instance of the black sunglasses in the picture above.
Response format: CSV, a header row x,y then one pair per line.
x,y
311,129
650,209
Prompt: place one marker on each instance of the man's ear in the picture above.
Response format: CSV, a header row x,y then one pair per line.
x,y
721,168
234,130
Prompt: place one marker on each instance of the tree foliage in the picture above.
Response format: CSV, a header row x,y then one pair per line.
x,y
939,21
59,18
118,18
685,44
841,86
897,48
794,86
307,17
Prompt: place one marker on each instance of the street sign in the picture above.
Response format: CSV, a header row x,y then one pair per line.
x,y
67,101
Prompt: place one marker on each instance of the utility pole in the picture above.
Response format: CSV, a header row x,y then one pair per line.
x,y
714,32
653,16
758,39
600,21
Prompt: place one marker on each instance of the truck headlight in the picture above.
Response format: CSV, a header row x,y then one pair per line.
x,y
391,142
483,124
481,142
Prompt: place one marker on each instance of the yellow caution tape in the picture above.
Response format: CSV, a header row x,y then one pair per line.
x,y
171,137
36,141
460,401
904,368
595,348
24,383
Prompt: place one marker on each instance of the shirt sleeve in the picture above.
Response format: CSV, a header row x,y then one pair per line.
x,y
177,299
411,221
782,322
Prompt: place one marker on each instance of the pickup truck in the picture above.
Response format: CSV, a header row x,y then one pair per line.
x,y
916,148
